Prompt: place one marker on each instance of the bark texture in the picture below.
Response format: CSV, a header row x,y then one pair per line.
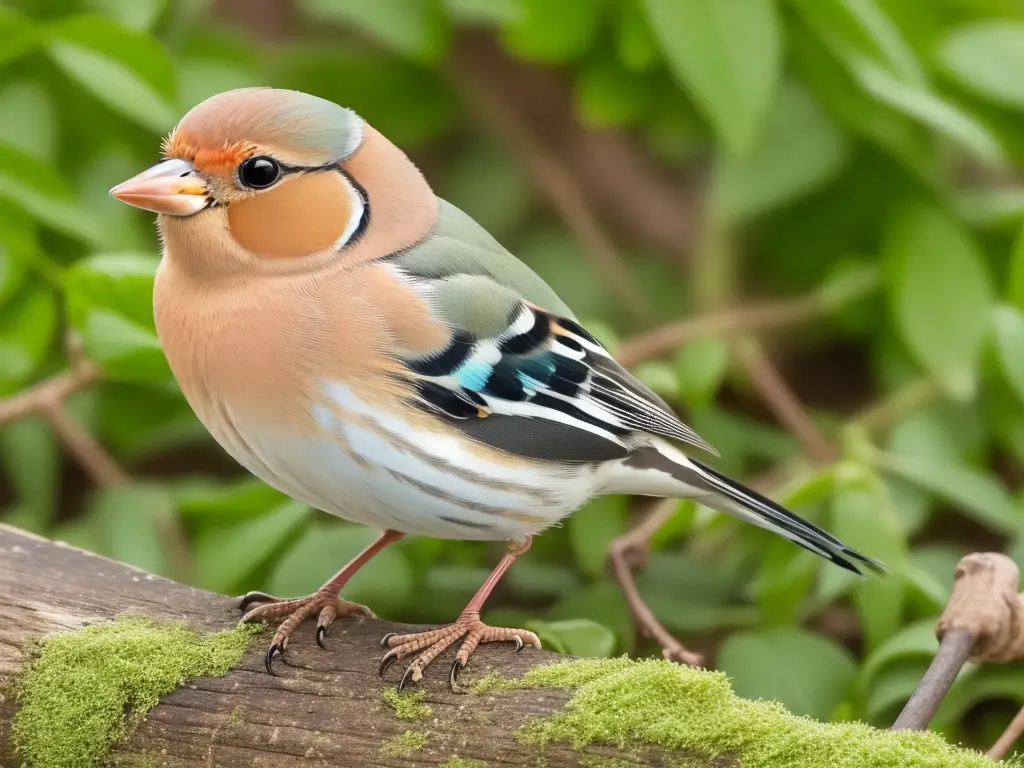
x,y
324,708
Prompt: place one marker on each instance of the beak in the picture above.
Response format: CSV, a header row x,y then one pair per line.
x,y
168,187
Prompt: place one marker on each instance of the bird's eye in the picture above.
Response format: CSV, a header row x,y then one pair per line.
x,y
259,172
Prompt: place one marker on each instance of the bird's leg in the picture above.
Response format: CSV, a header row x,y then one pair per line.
x,y
468,627
325,602
630,551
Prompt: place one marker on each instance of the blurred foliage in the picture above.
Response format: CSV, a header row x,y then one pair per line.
x,y
856,145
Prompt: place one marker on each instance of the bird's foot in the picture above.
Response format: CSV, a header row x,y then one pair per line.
x,y
430,644
293,611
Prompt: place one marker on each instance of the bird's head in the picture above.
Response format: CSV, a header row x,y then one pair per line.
x,y
277,172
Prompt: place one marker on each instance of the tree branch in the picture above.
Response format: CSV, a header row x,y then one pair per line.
x,y
983,621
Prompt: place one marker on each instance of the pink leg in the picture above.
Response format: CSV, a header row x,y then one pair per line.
x,y
325,601
430,644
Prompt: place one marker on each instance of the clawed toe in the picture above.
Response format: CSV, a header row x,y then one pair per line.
x,y
430,644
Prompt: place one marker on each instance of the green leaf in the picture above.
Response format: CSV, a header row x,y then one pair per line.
x,y
659,376
28,329
977,684
553,32
1015,280
940,293
128,70
728,55
863,518
702,366
30,121
229,554
890,692
799,150
509,194
125,351
932,110
809,674
1008,328
483,11
31,462
37,189
245,497
608,96
978,495
135,14
861,26
119,282
18,35
18,248
691,595
576,637
914,642
132,520
383,584
534,579
593,528
987,58
416,28
634,40
604,603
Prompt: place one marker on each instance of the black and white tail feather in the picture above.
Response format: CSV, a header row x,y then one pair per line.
x,y
545,388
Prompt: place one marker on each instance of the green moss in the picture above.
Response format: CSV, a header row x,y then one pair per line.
x,y
87,689
461,762
408,705
629,703
404,744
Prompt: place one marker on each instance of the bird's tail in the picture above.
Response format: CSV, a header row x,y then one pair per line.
x,y
690,479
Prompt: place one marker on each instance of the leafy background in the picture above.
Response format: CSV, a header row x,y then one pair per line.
x,y
857,157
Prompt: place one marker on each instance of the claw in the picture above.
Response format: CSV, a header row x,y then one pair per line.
x,y
254,597
321,633
389,658
405,678
274,649
519,643
453,676
384,640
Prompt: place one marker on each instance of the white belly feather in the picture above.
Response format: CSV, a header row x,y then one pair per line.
x,y
373,467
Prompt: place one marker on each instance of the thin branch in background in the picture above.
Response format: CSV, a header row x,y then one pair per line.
x,y
983,621
628,553
1008,738
554,180
720,324
782,401
47,399
881,415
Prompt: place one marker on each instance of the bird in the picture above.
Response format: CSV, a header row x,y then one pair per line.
x,y
367,348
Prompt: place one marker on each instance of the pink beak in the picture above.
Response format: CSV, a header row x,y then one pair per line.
x,y
168,187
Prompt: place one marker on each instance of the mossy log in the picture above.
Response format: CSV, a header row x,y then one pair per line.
x,y
325,708
329,708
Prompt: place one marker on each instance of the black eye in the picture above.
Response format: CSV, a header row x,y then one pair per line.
x,y
259,172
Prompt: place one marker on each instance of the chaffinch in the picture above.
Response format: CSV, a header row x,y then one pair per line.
x,y
367,348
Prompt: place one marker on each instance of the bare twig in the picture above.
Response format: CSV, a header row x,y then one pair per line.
x,y
629,552
95,460
553,178
983,621
46,394
720,323
1008,738
950,658
782,401
881,415
47,399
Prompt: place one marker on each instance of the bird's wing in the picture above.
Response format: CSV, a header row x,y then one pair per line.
x,y
517,371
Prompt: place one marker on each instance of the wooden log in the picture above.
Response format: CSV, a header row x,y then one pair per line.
x,y
324,709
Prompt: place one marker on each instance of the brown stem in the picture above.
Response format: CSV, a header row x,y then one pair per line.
x,y
628,552
43,395
553,178
783,402
99,464
953,653
667,338
1010,735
